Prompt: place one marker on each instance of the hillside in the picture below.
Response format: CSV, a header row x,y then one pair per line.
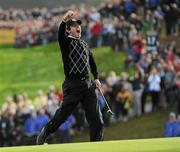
x,y
30,69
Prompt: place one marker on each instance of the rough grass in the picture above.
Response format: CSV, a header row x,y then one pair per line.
x,y
150,125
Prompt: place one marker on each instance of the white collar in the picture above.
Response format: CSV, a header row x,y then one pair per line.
x,y
73,37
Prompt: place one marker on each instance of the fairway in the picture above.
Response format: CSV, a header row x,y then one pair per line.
x,y
144,145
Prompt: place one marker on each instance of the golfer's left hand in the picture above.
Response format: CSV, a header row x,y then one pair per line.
x,y
98,83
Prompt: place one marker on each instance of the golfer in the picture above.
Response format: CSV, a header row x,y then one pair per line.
x,y
77,88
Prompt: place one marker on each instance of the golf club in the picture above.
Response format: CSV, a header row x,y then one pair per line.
x,y
109,109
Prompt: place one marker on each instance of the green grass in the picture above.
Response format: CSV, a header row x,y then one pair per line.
x,y
30,69
144,145
150,125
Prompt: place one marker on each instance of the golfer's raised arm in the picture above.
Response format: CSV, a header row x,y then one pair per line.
x,y
62,35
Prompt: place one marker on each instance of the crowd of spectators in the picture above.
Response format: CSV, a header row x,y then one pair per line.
x,y
156,76
155,84
115,23
22,118
131,25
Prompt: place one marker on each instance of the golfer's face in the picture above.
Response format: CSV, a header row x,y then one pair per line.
x,y
75,30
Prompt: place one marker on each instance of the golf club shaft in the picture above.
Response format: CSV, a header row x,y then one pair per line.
x,y
109,109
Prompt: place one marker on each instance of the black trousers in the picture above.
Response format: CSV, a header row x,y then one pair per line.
x,y
143,101
76,91
155,100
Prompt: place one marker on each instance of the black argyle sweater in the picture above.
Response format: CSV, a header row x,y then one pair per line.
x,y
77,58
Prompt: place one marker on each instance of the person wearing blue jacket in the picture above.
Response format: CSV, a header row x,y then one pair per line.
x,y
42,119
170,125
177,127
30,125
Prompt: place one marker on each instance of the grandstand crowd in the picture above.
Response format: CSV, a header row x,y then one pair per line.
x,y
131,25
118,19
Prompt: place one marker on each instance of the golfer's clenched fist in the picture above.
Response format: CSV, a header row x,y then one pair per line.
x,y
69,15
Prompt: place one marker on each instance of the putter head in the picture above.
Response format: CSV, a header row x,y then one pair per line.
x,y
110,112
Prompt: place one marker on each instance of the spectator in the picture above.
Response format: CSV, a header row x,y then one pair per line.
x,y
125,82
137,92
129,7
102,77
59,94
119,38
138,48
96,30
169,83
177,127
9,106
134,19
168,19
153,4
23,110
145,93
27,100
112,78
42,119
132,33
170,125
108,31
51,92
157,17
154,81
30,125
123,101
53,104
95,15
5,131
178,91
40,100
